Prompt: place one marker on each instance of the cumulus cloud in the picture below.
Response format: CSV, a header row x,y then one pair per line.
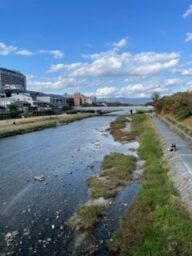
x,y
188,37
57,54
145,89
112,63
188,12
172,82
121,43
55,84
186,72
6,49
24,53
56,67
105,91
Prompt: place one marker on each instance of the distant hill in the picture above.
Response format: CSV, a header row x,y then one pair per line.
x,y
131,101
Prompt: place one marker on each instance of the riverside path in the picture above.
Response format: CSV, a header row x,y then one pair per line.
x,y
180,162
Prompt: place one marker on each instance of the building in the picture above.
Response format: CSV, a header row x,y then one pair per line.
x,y
56,101
75,99
91,100
11,79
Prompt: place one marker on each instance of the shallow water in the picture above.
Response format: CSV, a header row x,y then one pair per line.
x,y
66,156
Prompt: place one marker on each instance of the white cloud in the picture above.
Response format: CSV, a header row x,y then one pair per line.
x,y
121,43
188,37
6,49
24,53
105,91
57,54
145,89
188,86
172,82
188,12
56,67
186,72
55,84
112,63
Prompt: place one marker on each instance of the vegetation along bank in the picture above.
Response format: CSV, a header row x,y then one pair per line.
x,y
156,222
116,171
23,125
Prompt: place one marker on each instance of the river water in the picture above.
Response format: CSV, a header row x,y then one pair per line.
x,y
33,214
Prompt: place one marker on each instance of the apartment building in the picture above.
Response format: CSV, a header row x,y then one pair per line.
x,y
11,79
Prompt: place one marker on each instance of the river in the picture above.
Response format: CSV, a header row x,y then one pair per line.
x,y
33,214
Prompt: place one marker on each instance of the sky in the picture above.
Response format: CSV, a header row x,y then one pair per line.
x,y
106,48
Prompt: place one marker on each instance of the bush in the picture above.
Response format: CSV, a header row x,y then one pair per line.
x,y
14,111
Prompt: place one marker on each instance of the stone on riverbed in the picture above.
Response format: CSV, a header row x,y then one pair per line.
x,y
39,178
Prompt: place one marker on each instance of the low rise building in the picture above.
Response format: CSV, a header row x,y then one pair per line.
x,y
56,101
77,99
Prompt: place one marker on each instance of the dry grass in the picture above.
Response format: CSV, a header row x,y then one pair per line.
x,y
101,187
116,129
180,126
35,123
187,121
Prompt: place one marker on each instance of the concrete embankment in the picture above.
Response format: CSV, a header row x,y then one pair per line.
x,y
19,126
180,162
182,130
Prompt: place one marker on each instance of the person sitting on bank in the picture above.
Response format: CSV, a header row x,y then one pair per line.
x,y
173,147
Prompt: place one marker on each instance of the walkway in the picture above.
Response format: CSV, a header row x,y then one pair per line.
x,y
180,161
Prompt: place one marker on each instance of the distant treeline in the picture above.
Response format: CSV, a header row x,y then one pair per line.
x,y
178,104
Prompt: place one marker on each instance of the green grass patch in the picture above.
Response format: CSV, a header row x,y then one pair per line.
x,y
87,216
116,130
120,166
116,171
101,187
156,223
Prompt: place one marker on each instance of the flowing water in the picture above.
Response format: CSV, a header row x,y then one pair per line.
x,y
33,213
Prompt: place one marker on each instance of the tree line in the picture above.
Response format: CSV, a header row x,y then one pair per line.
x,y
178,104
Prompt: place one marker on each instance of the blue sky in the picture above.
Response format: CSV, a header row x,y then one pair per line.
x,y
107,48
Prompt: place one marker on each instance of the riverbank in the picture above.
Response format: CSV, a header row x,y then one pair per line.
x,y
24,125
66,156
157,222
117,172
183,128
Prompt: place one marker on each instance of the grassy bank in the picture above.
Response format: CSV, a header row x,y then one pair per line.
x,y
156,223
7,128
118,132
184,125
87,216
116,171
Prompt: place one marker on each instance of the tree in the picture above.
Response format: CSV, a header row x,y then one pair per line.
x,y
155,96
14,111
